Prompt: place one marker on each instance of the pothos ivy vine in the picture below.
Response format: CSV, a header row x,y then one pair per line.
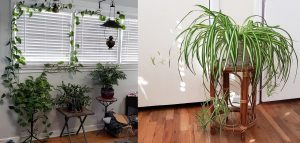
x,y
74,62
16,59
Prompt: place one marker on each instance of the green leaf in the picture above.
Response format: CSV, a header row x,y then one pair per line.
x,y
60,62
8,59
16,56
77,46
22,61
82,13
123,27
3,95
122,16
9,68
11,107
70,6
71,34
71,42
18,39
30,14
15,29
17,65
77,21
4,75
50,133
102,17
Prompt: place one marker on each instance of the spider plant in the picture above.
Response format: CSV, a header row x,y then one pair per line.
x,y
215,41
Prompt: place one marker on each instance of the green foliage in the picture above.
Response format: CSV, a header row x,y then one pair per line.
x,y
214,40
31,100
61,66
120,20
215,45
220,113
16,59
73,96
107,75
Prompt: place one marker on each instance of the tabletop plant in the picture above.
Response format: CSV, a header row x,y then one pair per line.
x,y
107,76
31,100
215,42
73,97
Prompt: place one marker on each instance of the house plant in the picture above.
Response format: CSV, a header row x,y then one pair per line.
x,y
107,76
31,101
72,97
215,41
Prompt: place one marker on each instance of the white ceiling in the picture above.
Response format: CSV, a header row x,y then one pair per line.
x,y
127,3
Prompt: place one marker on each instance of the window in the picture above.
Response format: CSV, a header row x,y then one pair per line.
x,y
45,37
92,40
129,48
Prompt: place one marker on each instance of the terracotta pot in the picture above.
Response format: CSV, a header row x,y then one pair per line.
x,y
107,93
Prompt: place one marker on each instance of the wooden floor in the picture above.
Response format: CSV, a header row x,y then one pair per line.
x,y
91,138
277,122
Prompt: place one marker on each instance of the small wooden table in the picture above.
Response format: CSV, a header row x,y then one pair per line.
x,y
85,112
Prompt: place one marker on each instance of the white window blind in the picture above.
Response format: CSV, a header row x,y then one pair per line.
x,y
92,40
129,48
45,37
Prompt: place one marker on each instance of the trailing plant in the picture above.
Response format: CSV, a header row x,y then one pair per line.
x,y
120,19
16,59
220,112
31,100
72,97
74,63
214,40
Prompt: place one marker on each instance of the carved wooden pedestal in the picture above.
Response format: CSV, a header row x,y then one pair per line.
x,y
247,116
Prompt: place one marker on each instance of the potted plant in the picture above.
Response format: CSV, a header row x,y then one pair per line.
x,y
215,41
107,76
31,101
72,97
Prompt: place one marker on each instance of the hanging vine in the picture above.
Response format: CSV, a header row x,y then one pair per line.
x,y
16,59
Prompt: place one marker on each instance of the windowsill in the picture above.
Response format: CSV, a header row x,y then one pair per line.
x,y
86,68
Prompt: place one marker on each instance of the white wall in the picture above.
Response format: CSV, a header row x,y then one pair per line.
x,y
286,14
159,84
8,124
157,18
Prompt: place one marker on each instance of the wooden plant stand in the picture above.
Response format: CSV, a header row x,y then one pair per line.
x,y
247,115
85,112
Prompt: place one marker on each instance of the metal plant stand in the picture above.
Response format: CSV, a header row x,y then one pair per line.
x,y
31,132
106,102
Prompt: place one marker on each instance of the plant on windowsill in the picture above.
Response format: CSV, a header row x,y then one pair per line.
x,y
215,41
31,101
107,76
72,97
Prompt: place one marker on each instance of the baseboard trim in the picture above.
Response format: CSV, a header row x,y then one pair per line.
x,y
56,133
171,106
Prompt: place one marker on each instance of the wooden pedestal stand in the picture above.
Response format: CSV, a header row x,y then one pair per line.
x,y
247,116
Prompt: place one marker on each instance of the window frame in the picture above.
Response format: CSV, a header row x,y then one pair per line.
x,y
87,67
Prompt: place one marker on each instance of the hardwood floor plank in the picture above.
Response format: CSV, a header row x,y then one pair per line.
x,y
274,124
277,122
